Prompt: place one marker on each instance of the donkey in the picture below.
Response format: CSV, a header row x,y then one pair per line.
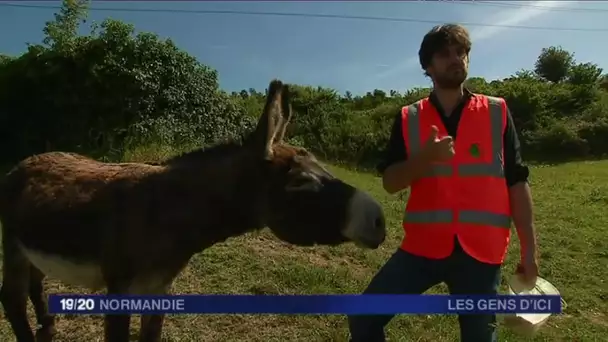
x,y
130,228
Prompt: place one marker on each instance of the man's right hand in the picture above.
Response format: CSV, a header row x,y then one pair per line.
x,y
438,150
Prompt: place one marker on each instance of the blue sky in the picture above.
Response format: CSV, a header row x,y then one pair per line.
x,y
345,54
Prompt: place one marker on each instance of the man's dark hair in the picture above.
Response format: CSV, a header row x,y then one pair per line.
x,y
438,38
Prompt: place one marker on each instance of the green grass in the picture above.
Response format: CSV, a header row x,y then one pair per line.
x,y
570,200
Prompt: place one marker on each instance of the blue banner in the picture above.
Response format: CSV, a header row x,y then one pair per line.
x,y
302,304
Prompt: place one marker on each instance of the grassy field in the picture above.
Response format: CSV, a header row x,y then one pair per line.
x,y
573,237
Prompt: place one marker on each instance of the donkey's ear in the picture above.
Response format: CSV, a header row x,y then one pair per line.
x,y
286,113
270,121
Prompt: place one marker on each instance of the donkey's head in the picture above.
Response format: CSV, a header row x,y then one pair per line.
x,y
306,204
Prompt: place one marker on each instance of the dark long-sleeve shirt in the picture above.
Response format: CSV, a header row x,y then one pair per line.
x,y
515,170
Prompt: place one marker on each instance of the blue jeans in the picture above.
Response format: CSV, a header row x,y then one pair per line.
x,y
405,273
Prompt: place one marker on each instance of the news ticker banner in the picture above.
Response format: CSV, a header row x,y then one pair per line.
x,y
303,304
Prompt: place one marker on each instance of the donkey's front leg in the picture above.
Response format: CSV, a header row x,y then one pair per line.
x,y
151,328
152,325
117,328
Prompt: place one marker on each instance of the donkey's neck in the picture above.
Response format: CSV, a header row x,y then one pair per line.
x,y
217,198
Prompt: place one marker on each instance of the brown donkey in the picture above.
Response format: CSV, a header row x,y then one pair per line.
x,y
131,228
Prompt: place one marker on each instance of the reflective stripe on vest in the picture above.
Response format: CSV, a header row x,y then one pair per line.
x,y
494,169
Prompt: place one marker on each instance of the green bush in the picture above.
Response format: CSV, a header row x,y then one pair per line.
x,y
595,134
114,92
112,87
559,140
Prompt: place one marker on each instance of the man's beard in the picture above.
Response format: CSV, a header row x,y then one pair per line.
x,y
450,79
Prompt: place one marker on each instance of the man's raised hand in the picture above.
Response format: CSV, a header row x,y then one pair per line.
x,y
439,150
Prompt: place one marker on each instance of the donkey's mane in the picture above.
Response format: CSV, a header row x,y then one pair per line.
x,y
204,154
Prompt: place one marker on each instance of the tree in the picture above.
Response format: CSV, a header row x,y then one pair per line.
x,y
584,74
475,84
96,93
554,64
5,59
379,94
526,74
61,32
604,82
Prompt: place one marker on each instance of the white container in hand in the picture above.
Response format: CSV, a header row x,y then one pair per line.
x,y
528,324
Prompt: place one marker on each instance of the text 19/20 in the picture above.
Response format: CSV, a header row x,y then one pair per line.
x,y
77,304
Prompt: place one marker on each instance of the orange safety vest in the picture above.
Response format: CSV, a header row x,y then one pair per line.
x,y
467,196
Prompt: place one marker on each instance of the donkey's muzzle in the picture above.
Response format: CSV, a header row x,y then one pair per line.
x,y
367,224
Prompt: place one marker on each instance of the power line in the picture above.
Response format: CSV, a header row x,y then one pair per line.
x,y
516,5
312,15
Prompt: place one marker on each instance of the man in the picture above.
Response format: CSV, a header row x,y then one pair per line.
x,y
460,155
